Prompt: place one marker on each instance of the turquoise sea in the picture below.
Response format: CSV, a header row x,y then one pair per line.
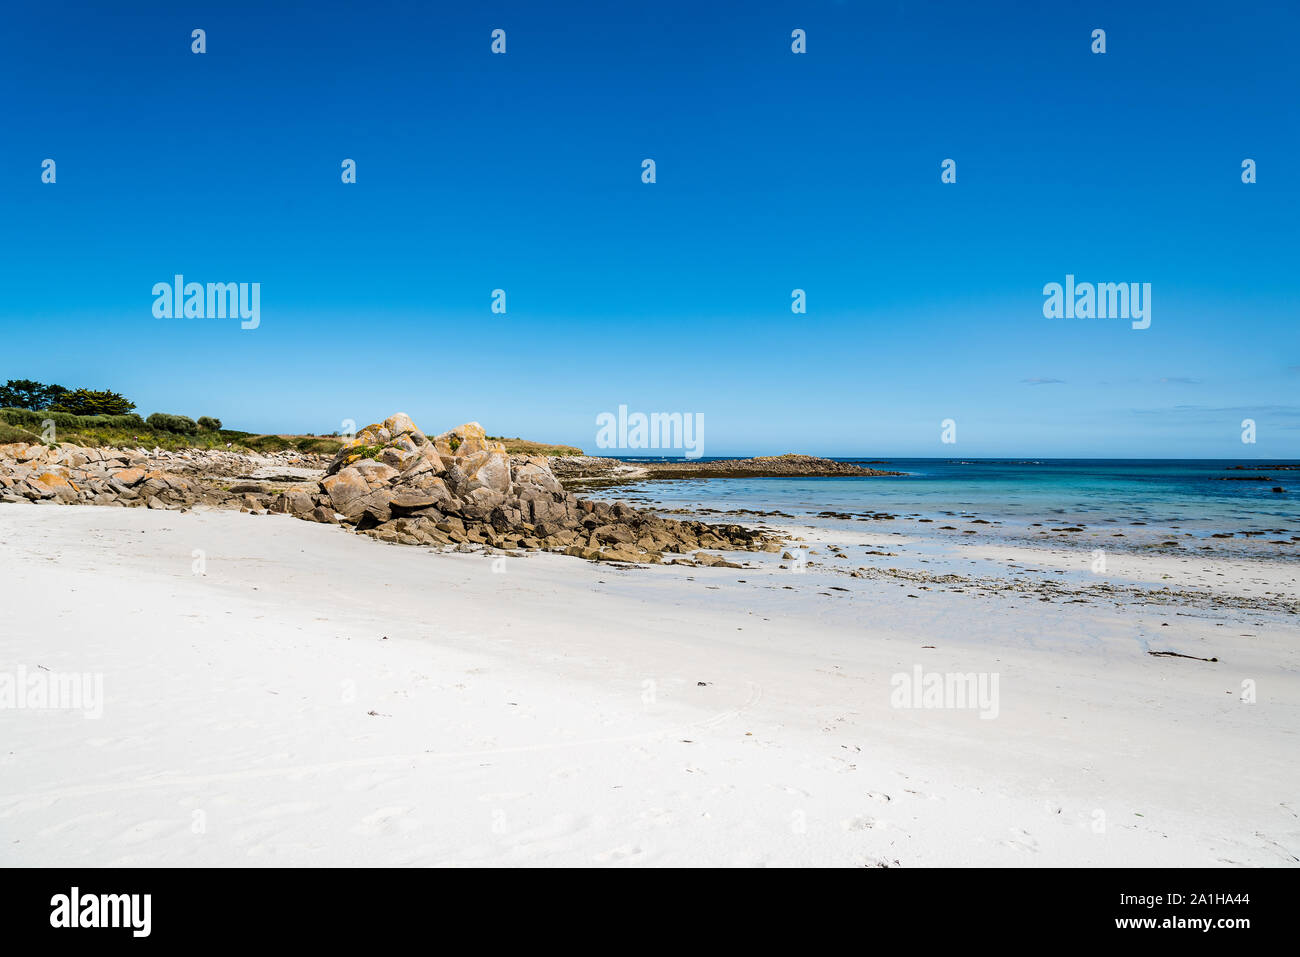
x,y
1189,494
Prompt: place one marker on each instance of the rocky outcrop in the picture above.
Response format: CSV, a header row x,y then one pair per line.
x,y
462,488
592,470
394,470
459,489
133,477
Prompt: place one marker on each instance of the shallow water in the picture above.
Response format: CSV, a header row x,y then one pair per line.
x,y
1164,493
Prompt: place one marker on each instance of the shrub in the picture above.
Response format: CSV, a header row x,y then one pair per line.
x,y
11,433
33,420
165,422
208,424
131,421
66,420
92,402
322,446
358,452
265,443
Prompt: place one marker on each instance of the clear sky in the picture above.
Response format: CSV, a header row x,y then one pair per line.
x,y
775,171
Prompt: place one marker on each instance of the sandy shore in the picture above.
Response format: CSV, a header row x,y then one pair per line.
x,y
316,697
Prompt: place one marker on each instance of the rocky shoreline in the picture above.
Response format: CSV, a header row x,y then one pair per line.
x,y
458,491
587,470
462,491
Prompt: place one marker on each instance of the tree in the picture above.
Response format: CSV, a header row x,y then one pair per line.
x,y
208,424
92,402
26,394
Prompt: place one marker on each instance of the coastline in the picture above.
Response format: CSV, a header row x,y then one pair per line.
x,y
378,699
587,471
364,703
1265,526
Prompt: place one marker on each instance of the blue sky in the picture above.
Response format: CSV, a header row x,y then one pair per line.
x,y
775,171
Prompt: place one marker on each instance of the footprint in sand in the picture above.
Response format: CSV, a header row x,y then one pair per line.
x,y
1024,841
624,854
287,809
370,780
561,826
656,817
797,792
73,822
120,744
149,830
923,794
859,823
259,833
386,820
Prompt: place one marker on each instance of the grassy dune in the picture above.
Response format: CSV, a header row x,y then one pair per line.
x,y
81,430
518,446
22,426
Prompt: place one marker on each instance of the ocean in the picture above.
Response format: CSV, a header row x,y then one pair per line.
x,y
1188,493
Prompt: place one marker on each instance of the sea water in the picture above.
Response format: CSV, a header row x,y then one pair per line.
x,y
1188,493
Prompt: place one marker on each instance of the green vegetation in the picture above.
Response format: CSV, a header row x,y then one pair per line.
x,y
319,445
66,420
92,402
100,417
164,422
366,451
311,444
518,446
26,394
39,397
11,433
131,431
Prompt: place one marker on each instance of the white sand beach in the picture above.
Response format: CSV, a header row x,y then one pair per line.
x,y
316,697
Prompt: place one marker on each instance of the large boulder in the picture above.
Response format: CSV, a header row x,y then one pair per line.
x,y
391,469
478,503
56,484
129,477
364,487
466,440
396,442
535,472
483,469
391,476
345,486
412,497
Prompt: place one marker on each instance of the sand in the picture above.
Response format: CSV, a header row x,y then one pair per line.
x,y
313,697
